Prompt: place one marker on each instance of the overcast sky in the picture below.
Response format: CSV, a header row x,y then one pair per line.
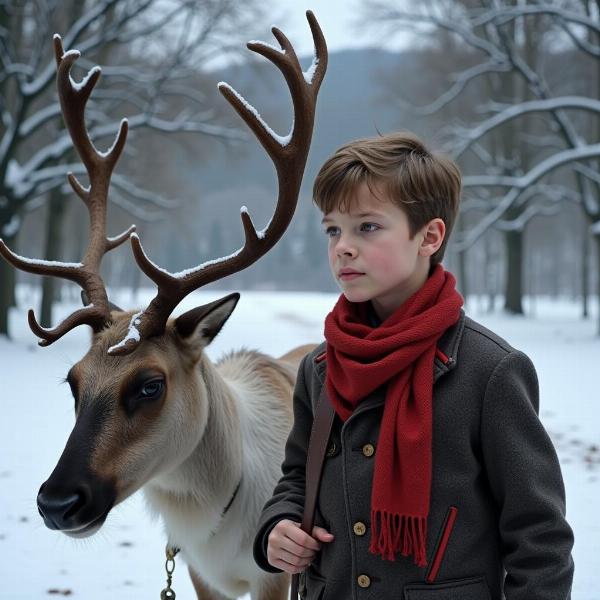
x,y
339,20
336,17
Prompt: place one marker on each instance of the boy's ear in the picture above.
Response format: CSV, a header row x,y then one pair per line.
x,y
433,237
200,325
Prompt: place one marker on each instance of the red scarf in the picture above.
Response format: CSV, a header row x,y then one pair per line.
x,y
399,352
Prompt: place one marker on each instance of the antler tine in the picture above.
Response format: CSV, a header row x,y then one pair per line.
x,y
319,64
92,315
58,49
289,156
73,98
70,271
88,315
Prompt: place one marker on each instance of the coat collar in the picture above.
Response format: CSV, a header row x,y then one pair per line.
x,y
447,347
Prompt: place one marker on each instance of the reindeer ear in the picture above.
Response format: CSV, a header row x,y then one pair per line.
x,y
206,321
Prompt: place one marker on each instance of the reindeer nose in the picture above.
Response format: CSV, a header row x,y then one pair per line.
x,y
59,510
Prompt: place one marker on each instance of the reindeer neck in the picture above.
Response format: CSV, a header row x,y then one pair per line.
x,y
207,479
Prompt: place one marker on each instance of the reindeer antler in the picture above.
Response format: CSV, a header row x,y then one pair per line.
x,y
289,156
73,98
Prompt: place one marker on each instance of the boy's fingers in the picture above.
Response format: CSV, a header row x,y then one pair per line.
x,y
322,534
287,567
287,561
294,559
292,549
296,535
301,550
277,553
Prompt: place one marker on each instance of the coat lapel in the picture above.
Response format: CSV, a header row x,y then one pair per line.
x,y
448,346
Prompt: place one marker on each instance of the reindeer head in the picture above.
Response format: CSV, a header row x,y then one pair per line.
x,y
137,416
141,391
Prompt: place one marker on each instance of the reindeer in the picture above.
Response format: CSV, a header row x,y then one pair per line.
x,y
205,441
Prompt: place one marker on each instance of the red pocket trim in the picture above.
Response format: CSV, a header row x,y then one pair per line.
x,y
436,563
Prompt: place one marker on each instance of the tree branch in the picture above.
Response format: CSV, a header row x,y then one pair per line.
x,y
523,108
518,185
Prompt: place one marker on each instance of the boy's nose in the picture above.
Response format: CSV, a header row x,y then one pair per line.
x,y
343,248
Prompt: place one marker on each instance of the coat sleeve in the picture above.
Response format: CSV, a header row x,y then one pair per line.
x,y
526,482
287,501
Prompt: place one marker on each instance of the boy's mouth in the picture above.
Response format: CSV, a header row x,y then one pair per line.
x,y
348,274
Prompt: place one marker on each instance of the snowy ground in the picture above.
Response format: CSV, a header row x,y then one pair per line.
x,y
126,559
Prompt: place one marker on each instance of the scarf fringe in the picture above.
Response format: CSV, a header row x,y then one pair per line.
x,y
392,533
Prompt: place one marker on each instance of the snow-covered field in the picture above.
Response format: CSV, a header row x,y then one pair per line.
x,y
126,558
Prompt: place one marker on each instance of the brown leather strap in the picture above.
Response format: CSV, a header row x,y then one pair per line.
x,y
317,446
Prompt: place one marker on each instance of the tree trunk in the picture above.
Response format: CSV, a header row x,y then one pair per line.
x,y
462,274
520,152
461,260
7,287
514,263
7,272
585,269
490,279
597,240
53,251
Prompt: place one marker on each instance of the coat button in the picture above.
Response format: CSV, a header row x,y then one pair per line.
x,y
364,581
360,528
368,450
332,449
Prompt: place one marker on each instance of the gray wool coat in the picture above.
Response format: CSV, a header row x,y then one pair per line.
x,y
496,525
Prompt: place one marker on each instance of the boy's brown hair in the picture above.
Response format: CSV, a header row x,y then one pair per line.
x,y
424,184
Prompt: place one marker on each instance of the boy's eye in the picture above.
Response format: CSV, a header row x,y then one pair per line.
x,y
369,227
331,231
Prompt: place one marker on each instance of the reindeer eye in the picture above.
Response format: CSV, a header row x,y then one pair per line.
x,y
152,389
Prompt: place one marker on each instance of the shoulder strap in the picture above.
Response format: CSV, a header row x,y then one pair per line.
x,y
317,446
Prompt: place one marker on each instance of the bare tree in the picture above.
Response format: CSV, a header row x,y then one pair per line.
x,y
159,47
498,36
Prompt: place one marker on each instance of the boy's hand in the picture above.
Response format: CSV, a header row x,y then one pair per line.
x,y
291,549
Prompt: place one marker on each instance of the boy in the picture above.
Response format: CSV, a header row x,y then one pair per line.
x,y
440,481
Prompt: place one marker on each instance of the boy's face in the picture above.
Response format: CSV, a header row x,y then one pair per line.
x,y
371,254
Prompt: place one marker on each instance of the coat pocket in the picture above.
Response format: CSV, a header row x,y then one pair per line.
x,y
472,588
311,586
441,545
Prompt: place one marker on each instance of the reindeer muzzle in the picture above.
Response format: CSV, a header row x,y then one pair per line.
x,y
77,510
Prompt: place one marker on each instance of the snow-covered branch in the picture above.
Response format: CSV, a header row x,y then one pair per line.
x,y
98,9
42,116
460,83
538,86
464,32
501,15
520,109
171,126
588,172
580,42
518,186
125,185
57,149
554,192
532,210
135,209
